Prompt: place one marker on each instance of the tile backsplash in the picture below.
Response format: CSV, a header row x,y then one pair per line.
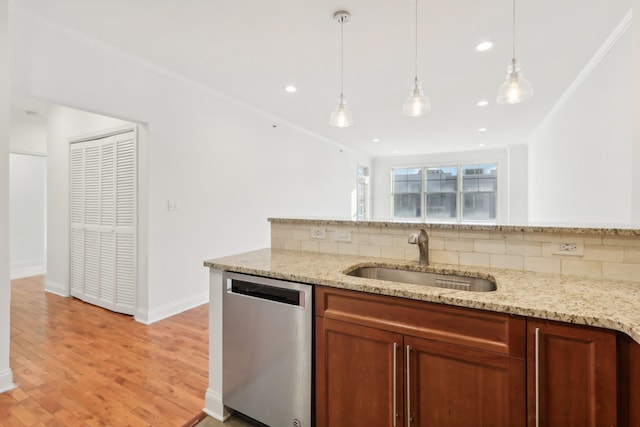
x,y
596,254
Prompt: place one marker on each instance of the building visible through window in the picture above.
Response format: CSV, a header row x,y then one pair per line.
x,y
406,193
455,193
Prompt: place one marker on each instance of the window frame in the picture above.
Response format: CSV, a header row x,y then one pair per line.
x,y
459,193
392,200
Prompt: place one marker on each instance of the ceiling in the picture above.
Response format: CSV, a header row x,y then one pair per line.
x,y
250,50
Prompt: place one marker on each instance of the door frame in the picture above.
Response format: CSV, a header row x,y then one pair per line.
x,y
105,133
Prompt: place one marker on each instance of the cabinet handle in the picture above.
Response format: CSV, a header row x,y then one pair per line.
x,y
408,386
395,381
537,375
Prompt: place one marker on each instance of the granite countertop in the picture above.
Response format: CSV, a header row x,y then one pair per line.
x,y
603,303
601,229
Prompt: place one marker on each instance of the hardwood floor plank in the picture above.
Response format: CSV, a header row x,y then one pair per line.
x,y
80,365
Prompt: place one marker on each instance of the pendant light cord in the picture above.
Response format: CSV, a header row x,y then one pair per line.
x,y
514,31
416,44
341,59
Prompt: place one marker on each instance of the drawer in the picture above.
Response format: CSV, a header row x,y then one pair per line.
x,y
497,332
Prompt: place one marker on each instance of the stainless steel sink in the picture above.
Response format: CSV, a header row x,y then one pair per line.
x,y
450,281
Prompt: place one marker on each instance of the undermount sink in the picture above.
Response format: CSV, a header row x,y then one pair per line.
x,y
450,281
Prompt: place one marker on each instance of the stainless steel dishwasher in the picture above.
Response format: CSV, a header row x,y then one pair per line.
x,y
267,349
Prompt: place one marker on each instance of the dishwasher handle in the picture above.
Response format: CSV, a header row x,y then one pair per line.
x,y
267,292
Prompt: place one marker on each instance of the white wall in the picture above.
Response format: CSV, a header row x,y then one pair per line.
x,y
518,184
27,214
63,124
225,163
6,376
580,157
28,134
635,188
381,178
28,166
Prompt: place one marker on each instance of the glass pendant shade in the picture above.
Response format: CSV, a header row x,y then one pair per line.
x,y
417,104
515,88
341,116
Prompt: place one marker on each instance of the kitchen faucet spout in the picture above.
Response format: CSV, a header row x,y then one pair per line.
x,y
422,240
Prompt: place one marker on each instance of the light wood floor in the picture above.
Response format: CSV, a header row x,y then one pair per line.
x,y
76,364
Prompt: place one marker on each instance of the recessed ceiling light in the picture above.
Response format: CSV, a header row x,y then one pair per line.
x,y
290,88
480,145
395,152
376,140
482,130
482,103
484,46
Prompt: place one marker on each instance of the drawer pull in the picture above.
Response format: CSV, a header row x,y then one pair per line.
x,y
537,375
408,386
395,380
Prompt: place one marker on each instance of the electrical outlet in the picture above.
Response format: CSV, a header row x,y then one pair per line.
x,y
568,247
318,233
574,248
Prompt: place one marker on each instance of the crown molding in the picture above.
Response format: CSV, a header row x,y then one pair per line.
x,y
593,63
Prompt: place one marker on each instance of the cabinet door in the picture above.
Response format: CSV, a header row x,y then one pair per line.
x,y
355,371
572,375
628,381
450,385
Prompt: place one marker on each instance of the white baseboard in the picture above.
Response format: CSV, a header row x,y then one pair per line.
x,y
6,381
56,288
150,316
214,407
28,268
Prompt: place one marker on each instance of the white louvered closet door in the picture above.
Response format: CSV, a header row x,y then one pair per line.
x,y
103,221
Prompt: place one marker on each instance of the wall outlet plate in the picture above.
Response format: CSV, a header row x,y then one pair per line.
x,y
318,233
573,248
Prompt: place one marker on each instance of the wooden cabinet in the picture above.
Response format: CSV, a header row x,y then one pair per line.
x,y
382,359
357,375
628,381
433,364
460,386
572,375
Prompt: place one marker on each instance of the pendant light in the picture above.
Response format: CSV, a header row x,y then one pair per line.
x,y
515,88
341,116
416,104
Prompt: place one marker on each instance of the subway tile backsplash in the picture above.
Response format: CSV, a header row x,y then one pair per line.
x,y
606,256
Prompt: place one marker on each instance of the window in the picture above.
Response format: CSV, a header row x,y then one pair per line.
x,y
407,193
442,193
362,194
479,186
455,193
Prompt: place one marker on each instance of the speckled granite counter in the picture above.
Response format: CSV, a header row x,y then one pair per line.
x,y
596,302
612,230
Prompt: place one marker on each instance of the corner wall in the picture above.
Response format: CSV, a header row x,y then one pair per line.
x,y
6,376
580,167
27,209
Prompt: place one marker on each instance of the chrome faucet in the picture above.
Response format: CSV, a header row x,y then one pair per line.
x,y
422,240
